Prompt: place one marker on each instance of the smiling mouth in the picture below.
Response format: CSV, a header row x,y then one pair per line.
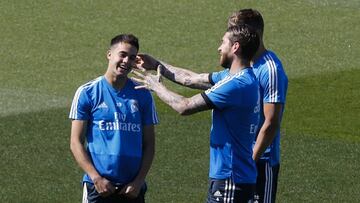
x,y
123,67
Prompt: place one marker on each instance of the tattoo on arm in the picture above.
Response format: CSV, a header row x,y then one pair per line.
x,y
184,106
197,104
185,77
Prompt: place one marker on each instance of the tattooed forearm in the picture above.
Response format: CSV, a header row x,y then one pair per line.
x,y
197,104
185,77
184,106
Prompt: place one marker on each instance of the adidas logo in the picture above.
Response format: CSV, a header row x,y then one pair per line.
x,y
217,194
103,106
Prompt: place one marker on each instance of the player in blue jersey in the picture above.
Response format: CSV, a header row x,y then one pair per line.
x,y
117,121
273,87
235,104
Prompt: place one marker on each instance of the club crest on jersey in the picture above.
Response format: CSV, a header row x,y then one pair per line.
x,y
118,104
134,106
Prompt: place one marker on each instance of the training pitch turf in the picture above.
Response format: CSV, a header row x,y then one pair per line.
x,y
49,48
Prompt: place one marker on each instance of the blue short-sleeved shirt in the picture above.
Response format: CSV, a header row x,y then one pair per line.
x,y
236,105
273,82
115,126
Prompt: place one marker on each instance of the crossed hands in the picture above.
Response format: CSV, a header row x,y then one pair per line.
x,y
147,80
105,188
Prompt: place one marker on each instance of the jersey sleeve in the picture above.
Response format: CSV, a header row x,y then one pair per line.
x,y
81,106
149,114
274,83
223,94
215,77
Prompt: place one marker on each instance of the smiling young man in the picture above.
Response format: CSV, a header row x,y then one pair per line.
x,y
235,104
117,123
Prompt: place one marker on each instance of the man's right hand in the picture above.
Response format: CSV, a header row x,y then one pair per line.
x,y
103,186
146,62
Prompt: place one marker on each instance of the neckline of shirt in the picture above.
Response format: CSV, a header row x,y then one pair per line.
x,y
112,89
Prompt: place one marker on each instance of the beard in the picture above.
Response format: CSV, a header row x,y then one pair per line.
x,y
225,61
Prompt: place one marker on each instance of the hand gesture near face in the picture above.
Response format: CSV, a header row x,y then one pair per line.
x,y
146,62
147,80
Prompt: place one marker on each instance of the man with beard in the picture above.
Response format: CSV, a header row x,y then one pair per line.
x,y
235,104
117,122
273,82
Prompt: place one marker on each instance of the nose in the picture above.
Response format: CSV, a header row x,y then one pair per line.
x,y
126,59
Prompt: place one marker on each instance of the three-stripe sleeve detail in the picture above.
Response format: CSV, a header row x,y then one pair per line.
x,y
75,102
224,81
273,79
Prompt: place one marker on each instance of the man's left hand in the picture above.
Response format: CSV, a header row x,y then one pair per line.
x,y
148,80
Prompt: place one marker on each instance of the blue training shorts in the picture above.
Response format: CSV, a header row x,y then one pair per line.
x,y
226,191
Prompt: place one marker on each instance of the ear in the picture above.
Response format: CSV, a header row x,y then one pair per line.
x,y
235,47
108,54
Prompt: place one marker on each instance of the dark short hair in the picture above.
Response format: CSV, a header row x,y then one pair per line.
x,y
248,39
248,16
125,38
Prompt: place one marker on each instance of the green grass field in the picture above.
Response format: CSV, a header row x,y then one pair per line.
x,y
49,48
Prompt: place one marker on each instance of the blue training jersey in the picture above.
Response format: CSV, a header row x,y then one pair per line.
x,y
115,121
236,106
273,87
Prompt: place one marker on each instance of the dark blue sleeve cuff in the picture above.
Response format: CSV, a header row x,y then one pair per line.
x,y
208,101
210,79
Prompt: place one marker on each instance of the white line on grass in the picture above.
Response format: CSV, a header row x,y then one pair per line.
x,y
23,101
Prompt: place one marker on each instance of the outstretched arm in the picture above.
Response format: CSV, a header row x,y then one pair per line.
x,y
183,105
185,77
178,75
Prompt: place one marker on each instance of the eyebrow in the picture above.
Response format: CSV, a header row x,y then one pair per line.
x,y
123,52
127,53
